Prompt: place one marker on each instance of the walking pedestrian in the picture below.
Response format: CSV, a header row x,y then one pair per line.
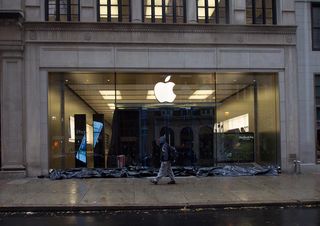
x,y
165,168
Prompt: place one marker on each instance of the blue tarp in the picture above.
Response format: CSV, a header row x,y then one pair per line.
x,y
136,171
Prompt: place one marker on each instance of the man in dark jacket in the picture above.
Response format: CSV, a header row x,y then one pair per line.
x,y
165,168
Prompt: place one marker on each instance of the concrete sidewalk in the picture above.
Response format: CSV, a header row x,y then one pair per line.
x,y
90,194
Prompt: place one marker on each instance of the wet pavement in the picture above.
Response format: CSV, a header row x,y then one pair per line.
x,y
124,193
271,216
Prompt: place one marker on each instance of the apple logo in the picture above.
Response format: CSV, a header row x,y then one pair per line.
x,y
164,91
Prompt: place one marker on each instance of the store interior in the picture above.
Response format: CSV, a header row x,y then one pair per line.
x,y
111,120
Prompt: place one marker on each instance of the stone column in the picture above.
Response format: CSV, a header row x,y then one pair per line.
x,y
282,121
307,119
34,10
287,12
291,108
44,153
191,11
12,153
88,11
33,111
136,11
238,15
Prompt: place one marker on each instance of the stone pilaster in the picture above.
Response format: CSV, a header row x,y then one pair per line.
x,y
34,10
12,95
191,11
238,14
136,11
33,117
291,107
287,14
12,153
88,11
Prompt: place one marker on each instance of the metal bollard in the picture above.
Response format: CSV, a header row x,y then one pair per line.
x,y
297,166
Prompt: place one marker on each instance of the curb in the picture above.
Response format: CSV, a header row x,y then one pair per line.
x,y
40,209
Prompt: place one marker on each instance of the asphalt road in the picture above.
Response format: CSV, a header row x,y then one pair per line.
x,y
279,216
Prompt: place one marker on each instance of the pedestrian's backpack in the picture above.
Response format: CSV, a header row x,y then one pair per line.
x,y
173,154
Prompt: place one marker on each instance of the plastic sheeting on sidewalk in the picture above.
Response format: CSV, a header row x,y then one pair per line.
x,y
228,170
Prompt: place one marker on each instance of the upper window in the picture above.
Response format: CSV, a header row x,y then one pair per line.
x,y
164,11
315,13
213,11
62,10
114,10
261,12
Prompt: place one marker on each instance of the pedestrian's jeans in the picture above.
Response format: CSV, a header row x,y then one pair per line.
x,y
165,170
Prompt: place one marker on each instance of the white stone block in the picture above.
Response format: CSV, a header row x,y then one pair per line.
x,y
200,58
166,58
266,58
288,18
233,58
239,4
11,4
239,17
58,57
87,3
288,5
96,57
88,15
131,57
33,13
33,3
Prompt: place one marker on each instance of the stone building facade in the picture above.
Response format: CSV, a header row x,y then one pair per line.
x,y
34,46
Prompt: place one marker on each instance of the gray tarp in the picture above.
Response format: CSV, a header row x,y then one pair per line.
x,y
228,170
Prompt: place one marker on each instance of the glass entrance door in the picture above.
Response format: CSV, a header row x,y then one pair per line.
x,y
179,106
189,130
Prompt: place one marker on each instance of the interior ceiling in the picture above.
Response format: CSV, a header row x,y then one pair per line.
x,y
98,91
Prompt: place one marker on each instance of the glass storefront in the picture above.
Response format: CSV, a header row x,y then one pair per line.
x,y
114,119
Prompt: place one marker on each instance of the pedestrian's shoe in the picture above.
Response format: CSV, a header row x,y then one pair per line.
x,y
154,181
172,182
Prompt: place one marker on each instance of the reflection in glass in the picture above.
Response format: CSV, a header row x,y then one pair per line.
x,y
114,11
62,10
215,118
261,11
164,11
213,11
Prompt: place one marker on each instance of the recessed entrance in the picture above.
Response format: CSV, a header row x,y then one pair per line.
x,y
213,118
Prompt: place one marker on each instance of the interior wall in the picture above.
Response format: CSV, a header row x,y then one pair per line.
x,y
75,105
267,108
60,125
236,105
268,118
55,125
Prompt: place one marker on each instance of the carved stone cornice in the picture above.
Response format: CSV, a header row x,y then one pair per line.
x,y
148,27
132,33
11,35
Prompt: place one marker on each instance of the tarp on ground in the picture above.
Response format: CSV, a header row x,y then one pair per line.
x,y
138,172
